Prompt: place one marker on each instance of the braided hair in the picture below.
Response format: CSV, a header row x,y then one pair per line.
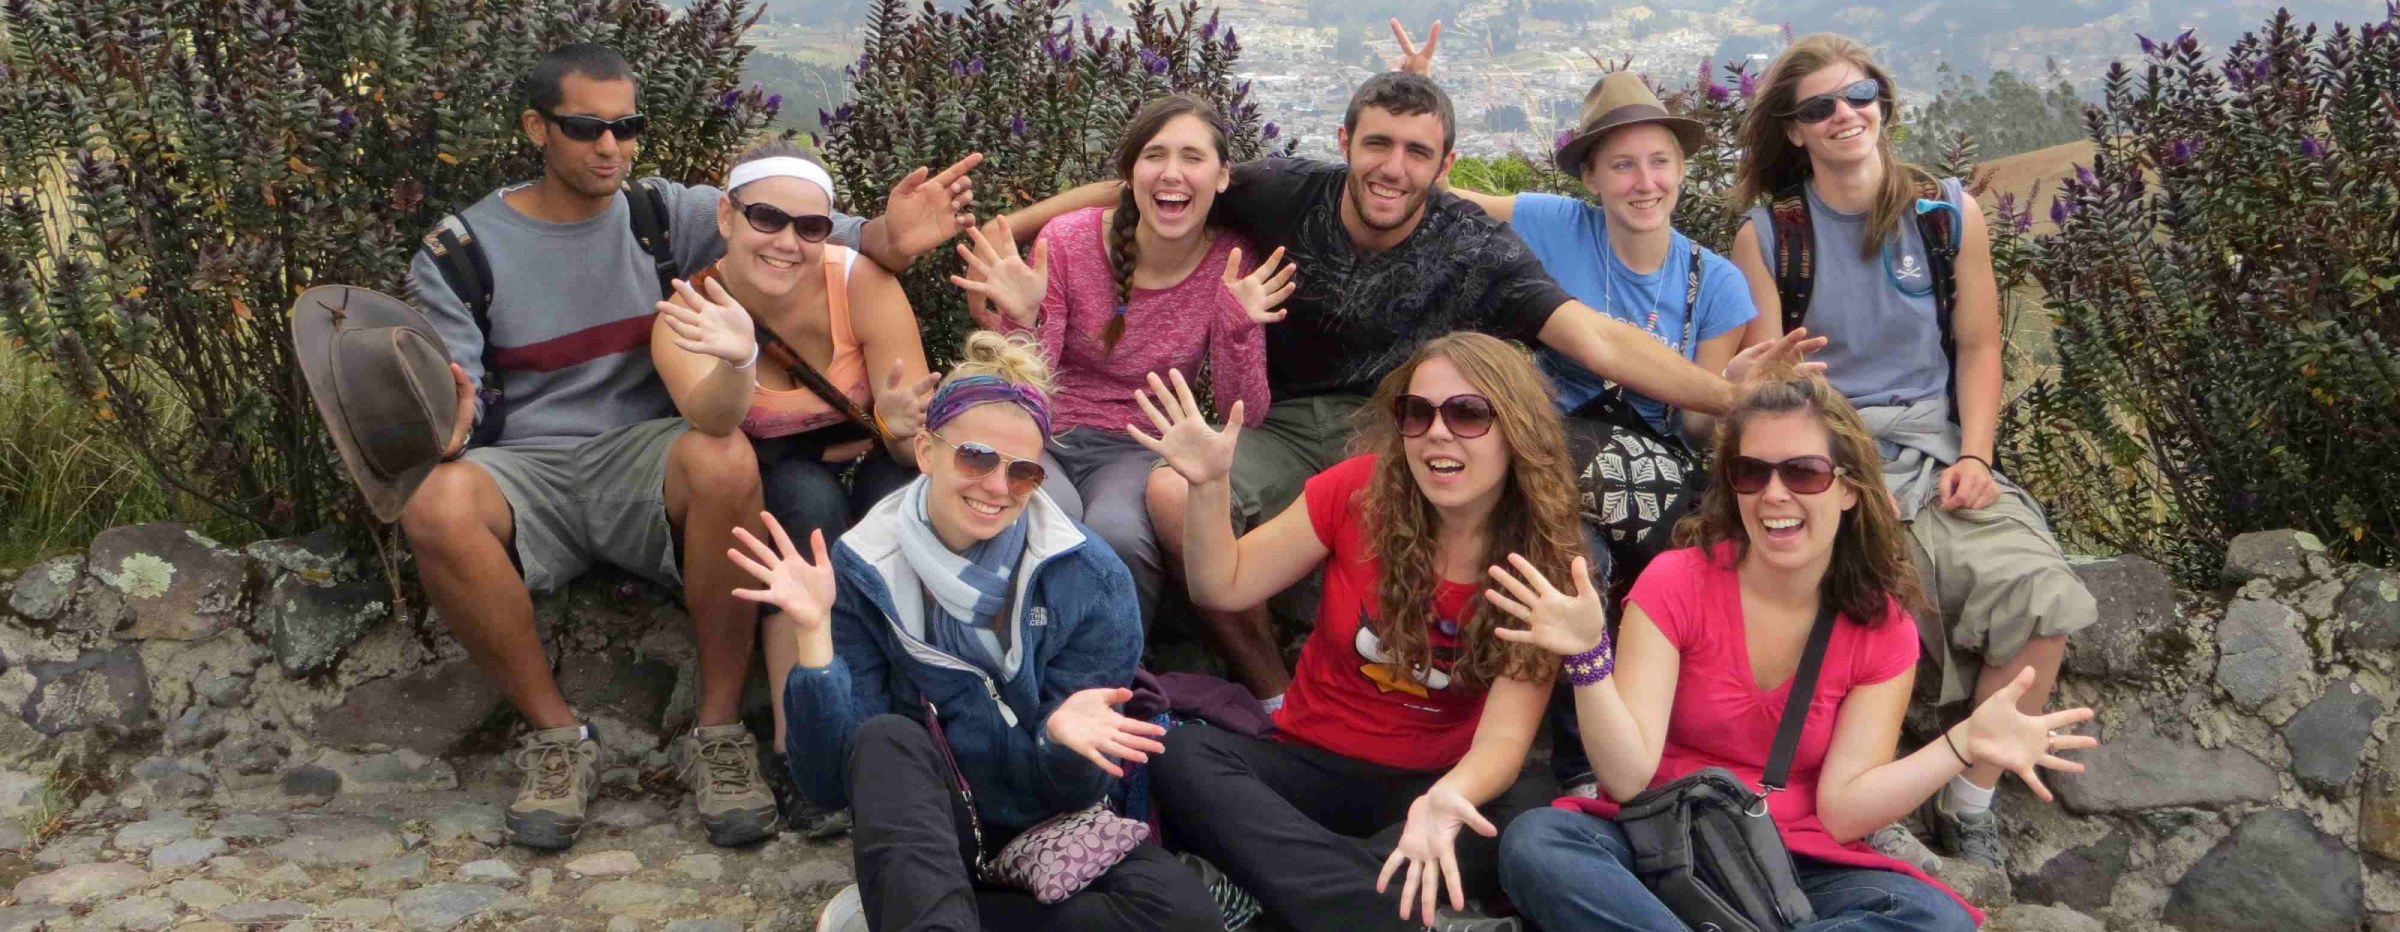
x,y
1146,124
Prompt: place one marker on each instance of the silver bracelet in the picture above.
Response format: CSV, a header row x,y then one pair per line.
x,y
754,349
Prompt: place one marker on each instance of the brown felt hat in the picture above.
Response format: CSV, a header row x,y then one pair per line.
x,y
381,378
1619,100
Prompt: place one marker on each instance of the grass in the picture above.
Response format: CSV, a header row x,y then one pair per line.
x,y
62,478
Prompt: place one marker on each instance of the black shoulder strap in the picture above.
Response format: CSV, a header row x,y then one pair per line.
x,y
1691,330
1941,259
1795,259
469,274
648,207
1795,703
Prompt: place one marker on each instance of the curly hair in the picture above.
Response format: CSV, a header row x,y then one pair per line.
x,y
1769,160
1153,117
1536,516
1871,564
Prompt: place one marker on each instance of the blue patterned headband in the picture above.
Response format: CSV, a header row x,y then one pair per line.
x,y
957,395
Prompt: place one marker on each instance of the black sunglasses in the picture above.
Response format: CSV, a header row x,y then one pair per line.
x,y
1469,416
588,129
976,461
1861,95
770,220
1803,475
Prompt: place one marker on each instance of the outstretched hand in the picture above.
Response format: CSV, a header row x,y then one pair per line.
x,y
1416,60
1787,350
1197,452
1561,623
996,272
900,403
1429,848
924,210
710,324
1088,724
802,589
1265,288
2001,735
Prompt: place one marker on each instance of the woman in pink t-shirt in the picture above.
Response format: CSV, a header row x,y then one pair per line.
x,y
1120,293
1712,636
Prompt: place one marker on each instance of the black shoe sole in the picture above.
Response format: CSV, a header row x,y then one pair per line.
x,y
546,830
735,829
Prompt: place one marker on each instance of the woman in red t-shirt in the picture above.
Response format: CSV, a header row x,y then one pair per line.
x,y
1406,719
1794,516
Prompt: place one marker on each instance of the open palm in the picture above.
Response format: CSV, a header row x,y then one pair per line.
x,y
2002,735
1263,291
1562,623
1197,452
711,323
801,588
997,273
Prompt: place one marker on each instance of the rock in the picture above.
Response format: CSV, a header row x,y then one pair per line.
x,y
190,852
359,912
636,899
171,778
443,905
223,690
81,883
194,730
13,837
622,697
2277,555
310,624
812,878
2082,878
705,868
2328,736
248,827
2276,871
46,589
162,580
71,850
228,867
2370,609
257,754
104,689
2139,630
21,794
628,814
30,918
624,924
606,864
285,877
443,705
468,821
2042,919
489,870
151,833
396,873
2260,651
704,925
2137,769
310,780
200,895
339,841
394,772
320,557
2379,808
1981,885
136,914
262,912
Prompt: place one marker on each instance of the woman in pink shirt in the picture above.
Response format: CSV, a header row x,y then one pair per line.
x,y
1711,638
1120,293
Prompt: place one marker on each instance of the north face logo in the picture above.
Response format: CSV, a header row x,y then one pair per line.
x,y
1038,617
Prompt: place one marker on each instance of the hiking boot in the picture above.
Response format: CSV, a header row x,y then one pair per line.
x,y
844,913
1234,904
1895,841
1473,920
799,815
558,788
1973,837
720,764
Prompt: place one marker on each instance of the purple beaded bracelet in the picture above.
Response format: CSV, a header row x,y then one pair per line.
x,y
1593,665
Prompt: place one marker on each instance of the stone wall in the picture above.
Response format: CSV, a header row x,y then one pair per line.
x,y
2242,783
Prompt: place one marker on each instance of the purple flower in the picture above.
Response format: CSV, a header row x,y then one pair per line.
x,y
345,119
1270,132
2148,47
1231,41
2058,209
1749,86
1560,141
842,113
2181,152
1066,49
2258,72
755,87
2309,146
1108,34
725,101
1209,31
774,103
1155,62
1717,93
958,69
1786,29
823,118
975,67
2187,40
1016,125
2024,221
2084,177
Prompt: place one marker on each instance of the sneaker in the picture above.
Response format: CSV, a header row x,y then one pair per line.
x,y
558,788
1473,920
1895,841
720,764
844,913
1973,837
1238,908
799,814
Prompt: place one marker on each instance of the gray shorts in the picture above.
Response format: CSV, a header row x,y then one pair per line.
x,y
1299,438
604,500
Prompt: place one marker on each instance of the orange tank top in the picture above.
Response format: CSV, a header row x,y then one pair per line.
x,y
793,409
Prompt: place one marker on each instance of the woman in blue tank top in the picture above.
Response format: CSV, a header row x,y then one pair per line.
x,y
1818,147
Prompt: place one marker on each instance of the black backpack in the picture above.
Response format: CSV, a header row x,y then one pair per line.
x,y
469,275
1795,263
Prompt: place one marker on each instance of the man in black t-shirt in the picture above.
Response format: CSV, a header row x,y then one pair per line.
x,y
1386,260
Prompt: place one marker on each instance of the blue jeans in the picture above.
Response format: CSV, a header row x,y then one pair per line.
x,y
1566,870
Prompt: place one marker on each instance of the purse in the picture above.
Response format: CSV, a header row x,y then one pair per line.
x,y
1705,843
1637,481
1056,858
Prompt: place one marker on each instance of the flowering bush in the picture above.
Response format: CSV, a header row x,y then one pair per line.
x,y
178,170
1044,96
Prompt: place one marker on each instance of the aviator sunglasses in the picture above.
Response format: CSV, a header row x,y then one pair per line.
x,y
1861,95
1803,475
589,128
1469,416
770,220
976,461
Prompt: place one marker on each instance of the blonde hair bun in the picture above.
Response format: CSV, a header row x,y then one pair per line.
x,y
1014,357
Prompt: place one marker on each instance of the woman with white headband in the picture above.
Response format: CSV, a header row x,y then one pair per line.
x,y
790,339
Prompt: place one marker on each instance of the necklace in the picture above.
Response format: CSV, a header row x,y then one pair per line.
x,y
1657,294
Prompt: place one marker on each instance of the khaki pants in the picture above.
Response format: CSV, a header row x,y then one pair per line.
x,y
1997,579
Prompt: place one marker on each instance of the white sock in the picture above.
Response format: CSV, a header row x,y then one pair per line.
x,y
1272,703
1962,797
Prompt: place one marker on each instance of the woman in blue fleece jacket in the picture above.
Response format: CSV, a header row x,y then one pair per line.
x,y
969,596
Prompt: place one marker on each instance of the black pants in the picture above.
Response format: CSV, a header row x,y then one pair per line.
x,y
805,493
911,843
1306,830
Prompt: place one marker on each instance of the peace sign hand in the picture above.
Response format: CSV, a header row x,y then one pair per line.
x,y
1265,287
1561,623
1195,451
2019,743
997,273
800,588
711,325
1413,59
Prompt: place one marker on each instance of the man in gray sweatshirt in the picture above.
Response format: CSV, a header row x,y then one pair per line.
x,y
589,461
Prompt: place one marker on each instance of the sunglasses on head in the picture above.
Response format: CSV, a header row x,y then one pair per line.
x,y
1469,416
1861,95
1802,475
589,128
770,220
976,461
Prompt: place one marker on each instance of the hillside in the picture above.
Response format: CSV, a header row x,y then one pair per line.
x,y
2036,174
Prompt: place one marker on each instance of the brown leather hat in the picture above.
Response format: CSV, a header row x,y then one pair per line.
x,y
1619,100
381,377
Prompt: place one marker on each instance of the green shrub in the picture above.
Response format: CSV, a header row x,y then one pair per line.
x,y
1044,97
174,172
